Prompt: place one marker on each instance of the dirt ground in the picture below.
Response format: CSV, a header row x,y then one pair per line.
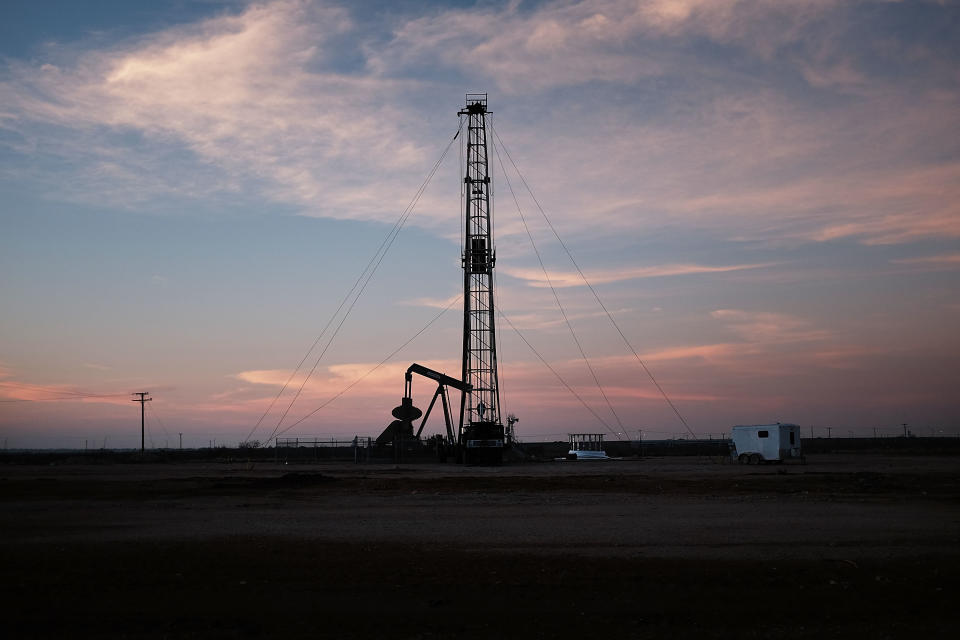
x,y
844,546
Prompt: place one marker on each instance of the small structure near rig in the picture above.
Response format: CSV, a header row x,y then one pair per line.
x,y
756,443
586,446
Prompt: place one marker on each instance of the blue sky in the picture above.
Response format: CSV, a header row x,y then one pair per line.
x,y
763,193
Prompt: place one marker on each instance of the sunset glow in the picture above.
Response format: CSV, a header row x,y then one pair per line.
x,y
764,195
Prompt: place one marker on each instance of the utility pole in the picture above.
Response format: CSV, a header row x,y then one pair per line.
x,y
181,440
829,432
143,399
905,432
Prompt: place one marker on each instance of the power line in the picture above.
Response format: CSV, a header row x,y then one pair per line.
x,y
374,368
556,297
62,394
156,416
76,397
554,372
153,445
592,290
388,242
365,276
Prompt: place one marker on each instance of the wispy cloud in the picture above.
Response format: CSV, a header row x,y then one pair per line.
x,y
564,44
436,303
706,352
252,95
256,104
385,380
945,260
16,390
769,327
535,277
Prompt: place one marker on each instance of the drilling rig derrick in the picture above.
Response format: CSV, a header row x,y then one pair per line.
x,y
481,430
479,438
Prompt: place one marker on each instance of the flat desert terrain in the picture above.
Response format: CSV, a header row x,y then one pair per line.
x,y
846,546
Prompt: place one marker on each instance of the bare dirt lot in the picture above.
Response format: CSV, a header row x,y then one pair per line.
x,y
845,546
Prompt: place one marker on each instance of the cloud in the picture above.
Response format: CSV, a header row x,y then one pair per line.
x,y
906,206
768,328
383,380
549,317
535,278
840,75
435,303
946,260
705,352
252,97
258,106
16,390
766,168
605,41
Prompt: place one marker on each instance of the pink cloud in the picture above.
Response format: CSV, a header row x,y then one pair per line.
x,y
435,303
365,379
16,390
535,277
707,352
768,327
239,91
248,95
947,260
589,41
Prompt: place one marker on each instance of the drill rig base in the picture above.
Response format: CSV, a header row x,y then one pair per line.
x,y
483,444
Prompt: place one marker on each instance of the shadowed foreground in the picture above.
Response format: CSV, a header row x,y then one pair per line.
x,y
843,547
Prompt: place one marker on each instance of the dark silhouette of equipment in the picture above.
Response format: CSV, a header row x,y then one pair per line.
x,y
142,400
481,436
510,432
401,429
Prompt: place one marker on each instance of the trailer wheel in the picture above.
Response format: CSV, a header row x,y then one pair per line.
x,y
743,459
755,458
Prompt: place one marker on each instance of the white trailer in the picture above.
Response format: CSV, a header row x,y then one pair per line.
x,y
756,443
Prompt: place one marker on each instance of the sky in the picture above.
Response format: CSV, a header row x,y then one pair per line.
x,y
765,195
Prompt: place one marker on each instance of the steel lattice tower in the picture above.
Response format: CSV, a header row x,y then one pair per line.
x,y
482,428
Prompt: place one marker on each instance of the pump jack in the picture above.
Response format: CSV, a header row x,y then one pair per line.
x,y
406,413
